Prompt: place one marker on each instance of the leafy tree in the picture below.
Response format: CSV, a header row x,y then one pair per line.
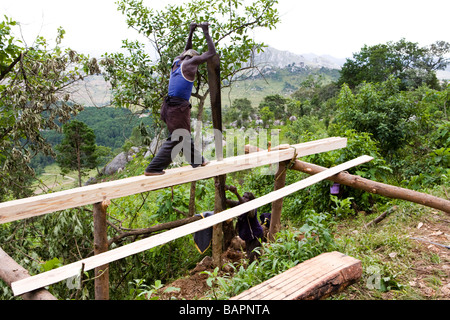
x,y
141,80
77,150
382,110
33,81
241,110
405,60
275,103
266,115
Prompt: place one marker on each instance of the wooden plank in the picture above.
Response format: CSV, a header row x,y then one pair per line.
x,y
313,279
47,203
263,290
70,270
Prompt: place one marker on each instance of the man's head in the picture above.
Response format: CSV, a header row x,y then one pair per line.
x,y
190,53
248,196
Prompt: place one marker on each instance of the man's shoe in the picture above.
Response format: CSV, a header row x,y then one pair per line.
x,y
205,163
154,173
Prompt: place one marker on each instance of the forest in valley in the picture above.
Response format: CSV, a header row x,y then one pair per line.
x,y
386,100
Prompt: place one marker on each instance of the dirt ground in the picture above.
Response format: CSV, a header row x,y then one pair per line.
x,y
431,280
194,286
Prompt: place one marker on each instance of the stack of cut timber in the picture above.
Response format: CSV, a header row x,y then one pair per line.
x,y
315,278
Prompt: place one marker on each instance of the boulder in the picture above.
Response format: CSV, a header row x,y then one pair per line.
x,y
117,163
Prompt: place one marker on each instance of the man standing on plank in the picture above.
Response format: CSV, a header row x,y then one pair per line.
x,y
176,108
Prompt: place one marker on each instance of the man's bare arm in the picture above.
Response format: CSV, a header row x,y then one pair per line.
x,y
192,27
211,47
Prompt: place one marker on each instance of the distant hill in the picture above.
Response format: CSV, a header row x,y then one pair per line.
x,y
281,59
279,72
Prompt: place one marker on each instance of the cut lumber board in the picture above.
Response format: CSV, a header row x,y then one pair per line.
x,y
47,278
47,203
316,278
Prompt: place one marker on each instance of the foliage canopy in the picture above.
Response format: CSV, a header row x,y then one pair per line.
x,y
140,79
35,81
407,61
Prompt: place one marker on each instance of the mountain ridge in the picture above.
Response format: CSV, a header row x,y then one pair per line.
x,y
283,58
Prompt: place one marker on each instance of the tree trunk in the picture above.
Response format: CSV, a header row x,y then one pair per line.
x,y
197,141
100,246
277,205
79,162
213,66
377,187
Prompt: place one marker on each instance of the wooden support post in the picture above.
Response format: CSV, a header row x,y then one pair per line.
x,y
213,66
100,246
11,271
277,205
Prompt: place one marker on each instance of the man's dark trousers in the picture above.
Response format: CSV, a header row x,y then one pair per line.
x,y
176,113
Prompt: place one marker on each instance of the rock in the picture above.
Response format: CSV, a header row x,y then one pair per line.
x,y
117,163
90,181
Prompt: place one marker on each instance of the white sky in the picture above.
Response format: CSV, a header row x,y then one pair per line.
x,y
335,27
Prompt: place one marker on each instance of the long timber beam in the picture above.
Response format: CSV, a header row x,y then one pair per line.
x,y
72,270
47,203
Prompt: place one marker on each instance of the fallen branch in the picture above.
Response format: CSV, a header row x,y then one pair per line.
x,y
148,231
381,216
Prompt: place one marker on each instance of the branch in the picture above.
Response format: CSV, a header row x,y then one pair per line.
x,y
148,231
11,66
245,25
381,216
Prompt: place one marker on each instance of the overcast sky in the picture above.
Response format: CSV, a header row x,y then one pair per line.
x,y
334,27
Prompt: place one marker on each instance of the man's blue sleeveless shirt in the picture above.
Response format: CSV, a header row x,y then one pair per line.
x,y
179,86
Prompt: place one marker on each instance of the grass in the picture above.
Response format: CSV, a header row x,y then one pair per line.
x,y
51,178
406,269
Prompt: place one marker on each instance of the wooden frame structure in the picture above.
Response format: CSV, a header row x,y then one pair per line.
x,y
48,203
96,194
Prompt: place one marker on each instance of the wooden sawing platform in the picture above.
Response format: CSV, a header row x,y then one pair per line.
x,y
47,203
315,278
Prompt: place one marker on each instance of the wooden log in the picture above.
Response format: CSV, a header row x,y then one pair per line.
x,y
47,203
70,270
374,187
11,271
101,282
277,205
316,278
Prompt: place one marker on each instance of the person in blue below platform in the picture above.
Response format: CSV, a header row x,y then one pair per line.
x,y
176,108
248,226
